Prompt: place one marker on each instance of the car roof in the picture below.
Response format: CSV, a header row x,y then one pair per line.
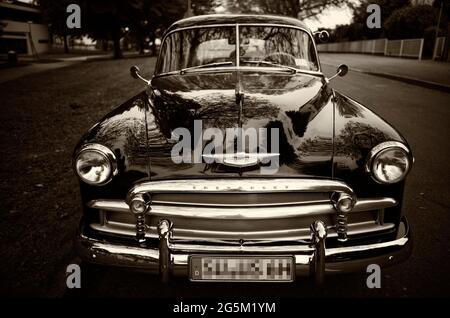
x,y
236,18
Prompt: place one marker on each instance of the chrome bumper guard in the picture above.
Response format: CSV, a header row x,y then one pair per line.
x,y
310,259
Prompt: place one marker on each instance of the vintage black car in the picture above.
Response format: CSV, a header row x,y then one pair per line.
x,y
173,182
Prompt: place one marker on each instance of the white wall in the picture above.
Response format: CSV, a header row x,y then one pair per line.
x,y
402,48
37,32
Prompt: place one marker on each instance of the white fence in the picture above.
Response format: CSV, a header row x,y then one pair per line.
x,y
402,48
369,46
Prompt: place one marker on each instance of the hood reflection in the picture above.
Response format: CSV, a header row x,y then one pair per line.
x,y
271,100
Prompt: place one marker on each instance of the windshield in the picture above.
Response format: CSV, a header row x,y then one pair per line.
x,y
196,47
259,46
277,45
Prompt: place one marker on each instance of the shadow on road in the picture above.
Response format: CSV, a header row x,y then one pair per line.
x,y
106,282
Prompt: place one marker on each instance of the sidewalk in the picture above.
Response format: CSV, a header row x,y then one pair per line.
x,y
53,61
427,73
29,65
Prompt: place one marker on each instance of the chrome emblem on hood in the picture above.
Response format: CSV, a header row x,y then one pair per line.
x,y
241,159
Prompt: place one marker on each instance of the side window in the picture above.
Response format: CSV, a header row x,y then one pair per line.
x,y
160,64
170,58
314,65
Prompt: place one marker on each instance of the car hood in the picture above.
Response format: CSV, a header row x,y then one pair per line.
x,y
299,106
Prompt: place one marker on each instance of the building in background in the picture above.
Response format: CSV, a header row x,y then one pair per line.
x,y
22,29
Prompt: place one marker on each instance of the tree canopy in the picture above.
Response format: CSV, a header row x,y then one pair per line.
x,y
399,20
293,8
410,22
112,19
142,19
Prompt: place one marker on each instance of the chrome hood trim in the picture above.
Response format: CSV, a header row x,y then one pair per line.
x,y
256,185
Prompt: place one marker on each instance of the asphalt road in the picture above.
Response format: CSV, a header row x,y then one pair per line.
x,y
423,116
66,108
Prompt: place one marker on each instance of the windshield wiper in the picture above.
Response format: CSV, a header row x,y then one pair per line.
x,y
290,68
184,70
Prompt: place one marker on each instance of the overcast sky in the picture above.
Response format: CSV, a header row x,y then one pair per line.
x,y
330,18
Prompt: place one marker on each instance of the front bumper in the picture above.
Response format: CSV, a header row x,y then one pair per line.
x,y
310,259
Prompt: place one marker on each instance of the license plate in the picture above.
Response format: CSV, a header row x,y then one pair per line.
x,y
242,268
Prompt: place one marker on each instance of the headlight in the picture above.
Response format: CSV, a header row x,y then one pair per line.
x,y
95,164
389,162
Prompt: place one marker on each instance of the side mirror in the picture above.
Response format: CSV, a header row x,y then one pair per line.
x,y
342,70
322,36
135,73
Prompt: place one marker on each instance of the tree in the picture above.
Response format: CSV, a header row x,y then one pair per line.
x,y
159,15
293,8
446,7
112,19
108,19
360,14
347,32
410,22
206,6
445,17
55,15
414,22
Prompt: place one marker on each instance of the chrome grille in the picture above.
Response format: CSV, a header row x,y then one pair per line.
x,y
256,210
239,199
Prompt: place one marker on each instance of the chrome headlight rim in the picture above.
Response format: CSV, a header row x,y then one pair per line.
x,y
103,151
381,148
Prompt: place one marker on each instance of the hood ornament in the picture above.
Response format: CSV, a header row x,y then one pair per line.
x,y
241,159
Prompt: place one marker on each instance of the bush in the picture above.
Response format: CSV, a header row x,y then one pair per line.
x,y
410,22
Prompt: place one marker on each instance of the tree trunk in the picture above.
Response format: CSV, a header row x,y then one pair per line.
x,y
141,44
66,45
117,50
153,40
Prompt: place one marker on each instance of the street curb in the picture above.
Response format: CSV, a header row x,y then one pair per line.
x,y
405,79
111,57
409,80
